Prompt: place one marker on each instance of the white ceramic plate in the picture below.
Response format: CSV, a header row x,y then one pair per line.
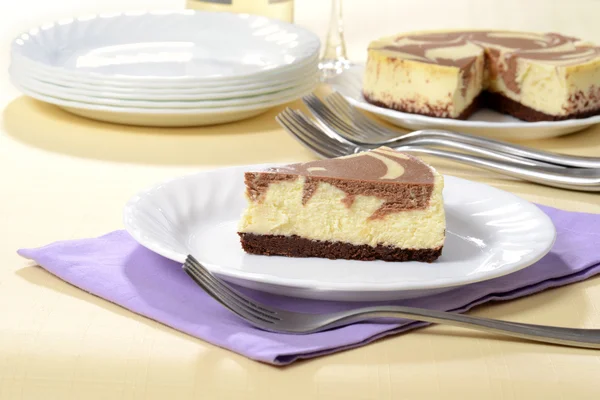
x,y
161,117
484,122
169,45
290,74
490,233
57,92
163,94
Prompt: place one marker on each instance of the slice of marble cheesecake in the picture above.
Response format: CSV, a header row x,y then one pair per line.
x,y
376,205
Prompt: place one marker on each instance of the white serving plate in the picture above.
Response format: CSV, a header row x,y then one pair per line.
x,y
490,233
483,122
168,46
59,93
163,94
161,117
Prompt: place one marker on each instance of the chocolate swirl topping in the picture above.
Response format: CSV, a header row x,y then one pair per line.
x,y
402,181
460,48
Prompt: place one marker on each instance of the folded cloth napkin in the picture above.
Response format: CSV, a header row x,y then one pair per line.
x,y
118,269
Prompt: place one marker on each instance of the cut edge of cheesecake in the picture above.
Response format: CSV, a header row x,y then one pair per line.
x,y
376,205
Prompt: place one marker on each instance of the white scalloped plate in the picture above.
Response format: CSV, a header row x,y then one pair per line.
x,y
163,117
483,122
290,74
490,233
118,101
164,94
169,46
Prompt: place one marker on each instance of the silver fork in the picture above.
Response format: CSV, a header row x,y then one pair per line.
x,y
329,145
367,130
329,120
273,319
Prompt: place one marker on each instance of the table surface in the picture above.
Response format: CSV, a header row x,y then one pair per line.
x,y
66,177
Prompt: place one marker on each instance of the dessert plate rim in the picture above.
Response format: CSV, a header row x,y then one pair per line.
x,y
147,219
249,106
232,101
161,94
290,74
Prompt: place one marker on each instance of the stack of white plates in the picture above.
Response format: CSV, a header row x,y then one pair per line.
x,y
166,68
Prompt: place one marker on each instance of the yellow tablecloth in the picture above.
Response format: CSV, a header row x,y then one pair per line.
x,y
66,177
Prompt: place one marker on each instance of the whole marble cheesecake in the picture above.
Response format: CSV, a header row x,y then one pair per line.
x,y
450,74
376,205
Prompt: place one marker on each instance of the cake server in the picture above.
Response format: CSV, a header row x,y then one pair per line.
x,y
358,127
272,319
330,145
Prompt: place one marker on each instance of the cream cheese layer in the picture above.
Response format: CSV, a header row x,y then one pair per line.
x,y
327,217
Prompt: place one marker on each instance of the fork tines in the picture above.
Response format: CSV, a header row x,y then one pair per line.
x,y
341,106
316,139
226,295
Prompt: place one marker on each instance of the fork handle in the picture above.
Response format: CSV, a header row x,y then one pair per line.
x,y
476,150
586,338
557,177
513,149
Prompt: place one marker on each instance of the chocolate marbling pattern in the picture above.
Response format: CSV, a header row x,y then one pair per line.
x,y
548,47
364,166
404,182
506,47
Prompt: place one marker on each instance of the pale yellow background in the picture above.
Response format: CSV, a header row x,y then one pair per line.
x,y
65,177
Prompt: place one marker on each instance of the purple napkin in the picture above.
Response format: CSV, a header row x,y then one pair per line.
x,y
118,269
